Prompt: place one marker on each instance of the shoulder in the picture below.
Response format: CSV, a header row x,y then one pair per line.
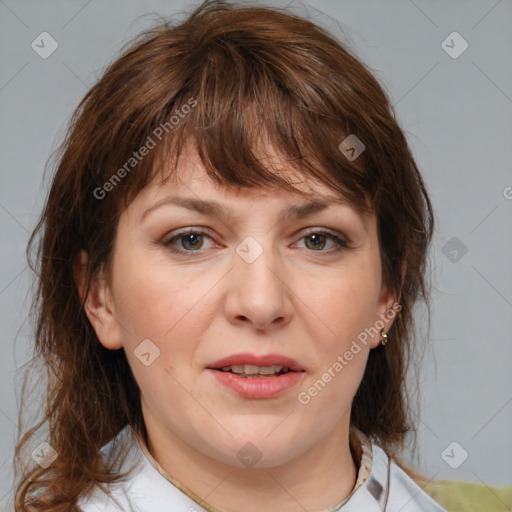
x,y
142,489
386,487
102,502
394,488
114,497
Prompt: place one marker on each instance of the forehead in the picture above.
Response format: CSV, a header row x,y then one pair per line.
x,y
190,177
189,185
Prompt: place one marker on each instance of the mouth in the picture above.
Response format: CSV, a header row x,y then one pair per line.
x,y
251,371
254,366
257,377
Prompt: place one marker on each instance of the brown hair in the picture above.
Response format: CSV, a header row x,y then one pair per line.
x,y
249,76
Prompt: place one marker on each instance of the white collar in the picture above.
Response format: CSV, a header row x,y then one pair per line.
x,y
385,487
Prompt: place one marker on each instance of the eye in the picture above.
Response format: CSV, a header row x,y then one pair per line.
x,y
317,240
190,241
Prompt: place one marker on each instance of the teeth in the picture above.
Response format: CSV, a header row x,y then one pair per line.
x,y
267,370
251,369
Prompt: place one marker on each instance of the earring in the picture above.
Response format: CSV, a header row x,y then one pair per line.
x,y
384,335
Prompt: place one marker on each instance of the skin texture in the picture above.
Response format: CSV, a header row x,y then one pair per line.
x,y
302,300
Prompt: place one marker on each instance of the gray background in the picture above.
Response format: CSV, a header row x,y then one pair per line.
x,y
457,113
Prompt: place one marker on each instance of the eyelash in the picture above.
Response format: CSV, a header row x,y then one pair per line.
x,y
340,243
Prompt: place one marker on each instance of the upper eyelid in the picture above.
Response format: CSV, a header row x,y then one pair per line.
x,y
308,231
305,231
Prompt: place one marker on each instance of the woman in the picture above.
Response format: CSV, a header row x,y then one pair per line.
x,y
235,229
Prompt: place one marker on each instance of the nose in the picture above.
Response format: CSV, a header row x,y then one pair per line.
x,y
258,293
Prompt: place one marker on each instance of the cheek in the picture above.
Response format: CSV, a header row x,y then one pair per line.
x,y
341,356
171,307
346,303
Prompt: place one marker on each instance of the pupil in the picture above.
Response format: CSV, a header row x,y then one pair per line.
x,y
192,239
318,240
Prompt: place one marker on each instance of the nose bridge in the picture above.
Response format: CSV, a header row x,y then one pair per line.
x,y
257,293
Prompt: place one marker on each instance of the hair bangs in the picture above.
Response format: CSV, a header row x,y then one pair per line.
x,y
251,126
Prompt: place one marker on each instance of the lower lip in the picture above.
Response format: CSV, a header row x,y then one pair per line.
x,y
258,387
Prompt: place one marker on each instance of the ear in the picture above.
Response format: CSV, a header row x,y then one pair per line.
x,y
99,304
387,308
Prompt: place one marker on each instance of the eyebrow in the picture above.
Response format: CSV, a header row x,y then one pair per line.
x,y
216,209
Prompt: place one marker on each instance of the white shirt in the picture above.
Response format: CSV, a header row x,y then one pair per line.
x,y
386,488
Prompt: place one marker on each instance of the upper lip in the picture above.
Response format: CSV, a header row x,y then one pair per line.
x,y
257,360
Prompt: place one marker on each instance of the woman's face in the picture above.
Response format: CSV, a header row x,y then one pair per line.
x,y
258,277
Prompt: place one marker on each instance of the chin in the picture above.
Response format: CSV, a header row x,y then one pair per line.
x,y
259,451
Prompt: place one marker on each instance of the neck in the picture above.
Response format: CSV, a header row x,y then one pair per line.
x,y
287,487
